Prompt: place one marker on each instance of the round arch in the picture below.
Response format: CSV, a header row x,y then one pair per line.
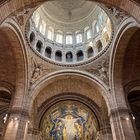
x,y
50,78
15,46
117,61
70,96
63,85
125,5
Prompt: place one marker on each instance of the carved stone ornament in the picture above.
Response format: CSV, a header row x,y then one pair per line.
x,y
117,14
21,15
38,71
101,71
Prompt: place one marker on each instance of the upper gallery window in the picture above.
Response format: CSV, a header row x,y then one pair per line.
x,y
36,18
59,38
69,39
97,27
88,33
50,34
79,38
42,28
101,19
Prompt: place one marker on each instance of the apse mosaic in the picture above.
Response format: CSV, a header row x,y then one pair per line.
x,y
69,120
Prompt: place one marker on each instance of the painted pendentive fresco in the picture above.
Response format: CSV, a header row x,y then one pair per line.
x,y
69,120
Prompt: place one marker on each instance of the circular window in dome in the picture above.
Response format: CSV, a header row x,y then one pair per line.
x,y
69,32
69,120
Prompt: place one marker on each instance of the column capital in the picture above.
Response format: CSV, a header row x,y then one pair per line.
x,y
33,131
121,122
19,112
105,130
120,111
34,134
17,124
105,133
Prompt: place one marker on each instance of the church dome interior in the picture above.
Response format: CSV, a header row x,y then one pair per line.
x,y
69,69
69,32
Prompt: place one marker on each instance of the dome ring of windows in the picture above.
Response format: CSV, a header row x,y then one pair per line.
x,y
69,47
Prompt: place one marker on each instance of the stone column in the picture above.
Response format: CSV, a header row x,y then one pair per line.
x,y
43,50
53,55
17,125
63,57
74,39
74,57
121,124
34,134
105,133
85,54
35,42
54,37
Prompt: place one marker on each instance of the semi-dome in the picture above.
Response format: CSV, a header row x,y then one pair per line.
x,y
68,31
69,120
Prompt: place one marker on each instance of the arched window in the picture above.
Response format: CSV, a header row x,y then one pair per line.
x,y
32,37
42,27
109,28
39,46
69,39
69,57
90,52
88,34
97,28
36,18
93,27
99,45
48,52
50,34
101,19
80,56
59,38
58,56
79,38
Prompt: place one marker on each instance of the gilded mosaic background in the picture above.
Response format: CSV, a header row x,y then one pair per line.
x,y
69,120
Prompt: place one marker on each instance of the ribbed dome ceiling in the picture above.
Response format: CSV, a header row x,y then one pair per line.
x,y
68,10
